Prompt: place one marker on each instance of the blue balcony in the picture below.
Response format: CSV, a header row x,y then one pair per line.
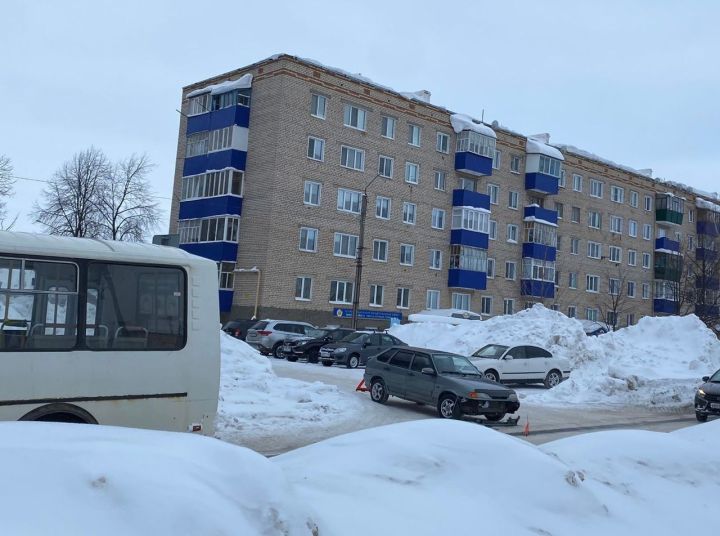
x,y
664,243
539,213
539,289
217,160
210,206
473,164
664,306
708,228
704,254
217,251
539,251
225,117
467,198
541,183
467,279
226,300
464,237
703,310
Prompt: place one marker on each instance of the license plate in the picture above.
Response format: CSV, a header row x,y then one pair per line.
x,y
715,405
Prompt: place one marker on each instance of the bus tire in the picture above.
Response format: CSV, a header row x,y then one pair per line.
x,y
60,412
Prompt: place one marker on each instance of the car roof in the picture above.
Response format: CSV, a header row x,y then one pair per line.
x,y
425,350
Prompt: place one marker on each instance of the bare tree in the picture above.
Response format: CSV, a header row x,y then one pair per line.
x,y
615,303
69,202
6,190
125,206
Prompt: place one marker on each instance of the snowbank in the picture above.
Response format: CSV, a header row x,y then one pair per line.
x,y
85,480
255,402
657,362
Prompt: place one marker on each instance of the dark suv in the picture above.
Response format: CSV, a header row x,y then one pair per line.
x,y
447,381
238,328
707,397
309,347
356,348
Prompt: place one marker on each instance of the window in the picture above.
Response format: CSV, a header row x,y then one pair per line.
x,y
197,144
591,314
435,259
230,98
632,257
615,254
316,148
461,301
387,127
646,260
634,199
596,188
560,209
486,305
510,270
440,180
412,172
647,231
572,280
617,194
513,200
632,228
407,254
594,219
403,298
414,135
468,184
616,224
380,250
385,166
575,218
382,207
303,288
349,201
212,184
594,250
561,179
572,311
614,286
376,295
512,233
474,142
630,319
213,229
493,230
515,161
341,292
220,139
226,273
577,182
631,289
493,190
354,117
311,194
496,159
432,301
666,290
308,239
442,144
691,215
491,267
592,283
318,106
538,270
470,219
345,245
648,203
540,233
690,242
199,104
409,210
438,218
468,258
352,158
646,291
508,306
549,166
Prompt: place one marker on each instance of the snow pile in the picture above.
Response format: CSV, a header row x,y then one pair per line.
x,y
434,477
540,144
244,82
707,205
85,480
462,122
255,402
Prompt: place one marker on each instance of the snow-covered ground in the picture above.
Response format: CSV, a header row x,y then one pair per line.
x,y
424,477
657,362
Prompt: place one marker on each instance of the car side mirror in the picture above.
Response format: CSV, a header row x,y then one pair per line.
x,y
509,357
428,371
706,378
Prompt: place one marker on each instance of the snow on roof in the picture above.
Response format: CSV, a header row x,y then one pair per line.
x,y
462,122
539,220
244,82
423,95
587,154
538,145
707,205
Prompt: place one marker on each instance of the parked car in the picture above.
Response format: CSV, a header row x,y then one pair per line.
x,y
520,364
354,349
308,347
707,397
447,381
445,316
268,335
238,328
592,328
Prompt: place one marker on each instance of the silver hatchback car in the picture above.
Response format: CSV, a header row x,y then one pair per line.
x,y
268,335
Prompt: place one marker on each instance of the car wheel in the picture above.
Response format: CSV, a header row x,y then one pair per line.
x,y
277,351
553,379
448,407
378,392
353,361
314,356
494,417
492,375
327,363
701,417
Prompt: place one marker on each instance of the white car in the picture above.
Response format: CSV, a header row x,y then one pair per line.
x,y
520,364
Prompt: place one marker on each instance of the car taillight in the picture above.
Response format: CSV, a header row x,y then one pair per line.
x,y
264,333
238,332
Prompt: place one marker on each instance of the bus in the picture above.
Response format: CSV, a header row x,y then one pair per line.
x,y
103,332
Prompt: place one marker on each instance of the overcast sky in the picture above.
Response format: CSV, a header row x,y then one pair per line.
x,y
635,82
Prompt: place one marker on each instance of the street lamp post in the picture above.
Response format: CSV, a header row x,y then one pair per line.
x,y
359,256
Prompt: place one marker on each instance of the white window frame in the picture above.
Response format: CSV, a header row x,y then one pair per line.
x,y
410,176
382,169
376,291
493,191
513,200
634,199
574,246
440,180
648,203
347,152
616,224
596,188
306,284
377,250
594,250
490,272
596,283
632,257
617,194
307,232
572,280
461,301
577,182
308,193
380,202
442,143
497,159
346,286
354,196
486,303
492,229
508,306
512,233
402,300
432,299
409,209
632,228
615,254
414,135
437,220
436,259
515,163
313,141
405,251
647,231
510,270
646,260
360,119
594,219
343,245
387,127
315,100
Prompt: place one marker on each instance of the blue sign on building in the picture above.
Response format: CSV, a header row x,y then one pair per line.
x,y
339,312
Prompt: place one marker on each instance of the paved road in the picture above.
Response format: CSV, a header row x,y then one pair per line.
x,y
546,423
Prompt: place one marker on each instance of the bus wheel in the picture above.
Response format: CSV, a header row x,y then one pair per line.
x,y
60,412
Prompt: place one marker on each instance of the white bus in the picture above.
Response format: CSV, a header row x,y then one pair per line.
x,y
106,332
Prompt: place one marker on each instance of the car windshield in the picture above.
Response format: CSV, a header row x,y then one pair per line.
x,y
715,378
454,364
355,337
318,333
491,351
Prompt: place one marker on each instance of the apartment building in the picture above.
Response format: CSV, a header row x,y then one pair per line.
x,y
275,159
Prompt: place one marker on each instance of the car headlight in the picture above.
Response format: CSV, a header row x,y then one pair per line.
x,y
474,395
340,350
700,392
513,397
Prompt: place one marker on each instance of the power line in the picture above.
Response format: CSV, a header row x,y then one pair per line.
x,y
47,182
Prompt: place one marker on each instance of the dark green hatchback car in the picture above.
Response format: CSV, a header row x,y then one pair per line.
x,y
448,381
